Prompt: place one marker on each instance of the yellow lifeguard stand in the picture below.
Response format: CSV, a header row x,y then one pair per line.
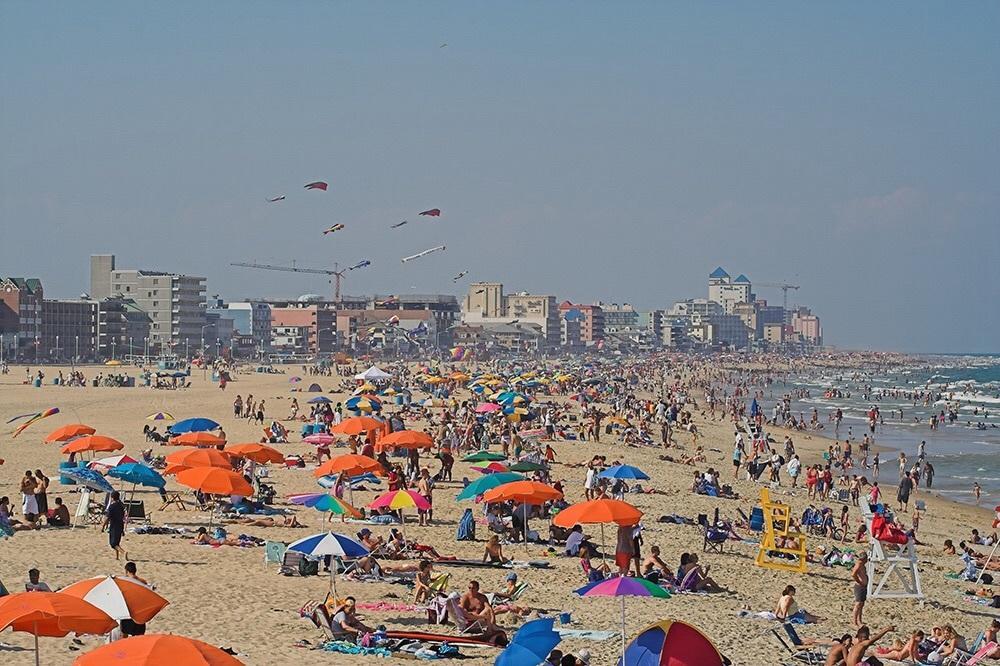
x,y
777,521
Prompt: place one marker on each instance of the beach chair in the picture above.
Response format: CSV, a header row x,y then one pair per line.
x,y
274,552
797,650
713,540
136,511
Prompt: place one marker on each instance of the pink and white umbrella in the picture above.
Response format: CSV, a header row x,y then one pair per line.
x,y
319,439
488,407
111,461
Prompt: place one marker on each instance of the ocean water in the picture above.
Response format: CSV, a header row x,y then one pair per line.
x,y
962,452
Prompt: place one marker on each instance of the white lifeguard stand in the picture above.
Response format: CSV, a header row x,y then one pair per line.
x,y
884,568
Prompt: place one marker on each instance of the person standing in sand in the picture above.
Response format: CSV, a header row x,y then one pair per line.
x,y
114,523
29,504
859,578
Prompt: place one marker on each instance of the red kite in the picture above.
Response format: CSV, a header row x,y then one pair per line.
x,y
318,185
433,212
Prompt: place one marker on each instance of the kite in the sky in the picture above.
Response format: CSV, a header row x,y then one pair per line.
x,y
397,226
422,254
278,198
360,264
336,227
34,418
433,212
443,45
318,185
460,276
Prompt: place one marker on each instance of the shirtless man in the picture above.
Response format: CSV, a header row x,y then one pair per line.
x,y
863,640
477,606
838,651
859,577
653,567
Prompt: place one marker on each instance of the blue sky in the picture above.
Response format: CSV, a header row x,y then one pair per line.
x,y
849,148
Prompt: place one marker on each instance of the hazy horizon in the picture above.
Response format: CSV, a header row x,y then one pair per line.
x,y
592,151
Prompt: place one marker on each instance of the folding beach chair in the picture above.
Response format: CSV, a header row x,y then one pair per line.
x,y
274,552
798,651
713,540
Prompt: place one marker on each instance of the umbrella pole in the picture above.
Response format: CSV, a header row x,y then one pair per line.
x,y
525,531
333,576
623,630
603,547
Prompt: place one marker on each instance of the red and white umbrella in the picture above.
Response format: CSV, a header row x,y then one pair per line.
x,y
111,461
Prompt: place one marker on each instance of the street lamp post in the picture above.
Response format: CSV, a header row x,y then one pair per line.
x,y
77,354
130,352
113,349
57,348
204,366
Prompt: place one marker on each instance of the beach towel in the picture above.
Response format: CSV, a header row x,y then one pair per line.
x,y
466,527
345,647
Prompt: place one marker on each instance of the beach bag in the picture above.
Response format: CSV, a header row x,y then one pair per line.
x,y
466,527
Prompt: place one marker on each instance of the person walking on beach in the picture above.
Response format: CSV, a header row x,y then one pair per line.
x,y
928,475
875,463
114,523
903,492
739,451
859,580
977,490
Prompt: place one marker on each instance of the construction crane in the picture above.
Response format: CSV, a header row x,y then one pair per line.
x,y
779,285
338,275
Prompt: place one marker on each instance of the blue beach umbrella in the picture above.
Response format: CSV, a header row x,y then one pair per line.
x,y
623,472
88,478
320,399
138,474
531,644
194,425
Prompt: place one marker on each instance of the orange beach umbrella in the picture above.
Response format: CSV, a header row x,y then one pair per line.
x,y
157,650
52,614
197,439
93,443
406,439
598,511
259,453
351,463
215,481
179,460
68,432
525,492
356,425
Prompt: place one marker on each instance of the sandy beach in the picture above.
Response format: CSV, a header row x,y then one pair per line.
x,y
225,596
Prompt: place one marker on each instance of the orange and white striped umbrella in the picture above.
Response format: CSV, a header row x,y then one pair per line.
x,y
121,598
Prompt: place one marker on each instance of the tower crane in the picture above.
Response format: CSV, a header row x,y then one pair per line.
x,y
337,274
784,287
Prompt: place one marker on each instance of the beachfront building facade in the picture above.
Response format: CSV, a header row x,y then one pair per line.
x,y
394,330
485,298
305,326
485,304
592,324
443,308
726,291
807,327
20,318
174,302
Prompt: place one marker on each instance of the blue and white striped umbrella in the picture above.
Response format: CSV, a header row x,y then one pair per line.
x,y
88,478
329,543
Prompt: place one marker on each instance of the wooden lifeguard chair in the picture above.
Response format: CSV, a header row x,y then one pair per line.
x,y
791,555
885,566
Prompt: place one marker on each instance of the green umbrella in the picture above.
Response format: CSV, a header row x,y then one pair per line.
x,y
526,467
487,482
484,456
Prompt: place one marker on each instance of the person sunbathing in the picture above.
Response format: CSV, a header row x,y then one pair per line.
x,y
788,609
370,541
477,607
506,596
289,520
901,651
494,551
203,539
